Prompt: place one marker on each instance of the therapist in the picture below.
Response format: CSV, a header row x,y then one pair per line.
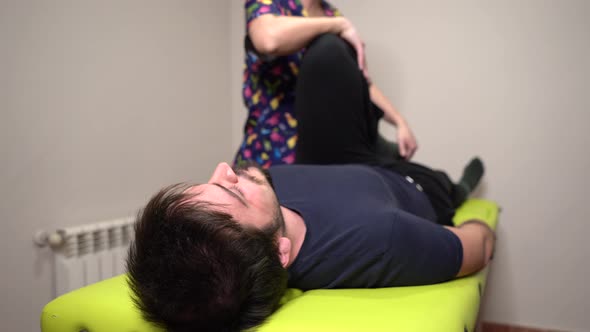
x,y
278,32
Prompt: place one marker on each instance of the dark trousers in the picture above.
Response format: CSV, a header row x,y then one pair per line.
x,y
337,122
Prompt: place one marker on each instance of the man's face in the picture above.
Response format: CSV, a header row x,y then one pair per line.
x,y
245,194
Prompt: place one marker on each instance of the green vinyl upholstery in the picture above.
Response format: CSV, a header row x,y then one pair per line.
x,y
451,306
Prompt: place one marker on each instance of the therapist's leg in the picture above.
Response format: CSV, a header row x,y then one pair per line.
x,y
336,121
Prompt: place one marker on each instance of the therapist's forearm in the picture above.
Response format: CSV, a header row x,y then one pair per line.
x,y
391,114
283,35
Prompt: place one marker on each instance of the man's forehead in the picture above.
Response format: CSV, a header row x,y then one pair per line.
x,y
194,189
192,193
205,193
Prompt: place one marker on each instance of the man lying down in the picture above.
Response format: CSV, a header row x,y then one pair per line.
x,y
218,256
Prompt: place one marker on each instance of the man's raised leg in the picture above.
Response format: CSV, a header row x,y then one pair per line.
x,y
336,121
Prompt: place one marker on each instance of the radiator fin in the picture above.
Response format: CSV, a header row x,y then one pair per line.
x,y
91,253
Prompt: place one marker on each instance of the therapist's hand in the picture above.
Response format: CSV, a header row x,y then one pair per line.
x,y
351,35
406,142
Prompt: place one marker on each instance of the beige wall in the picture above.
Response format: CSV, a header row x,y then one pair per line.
x,y
102,103
508,80
236,38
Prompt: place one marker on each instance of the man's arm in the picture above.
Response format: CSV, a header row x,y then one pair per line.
x,y
478,242
405,137
283,35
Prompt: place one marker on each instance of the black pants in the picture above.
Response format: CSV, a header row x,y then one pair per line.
x,y
337,122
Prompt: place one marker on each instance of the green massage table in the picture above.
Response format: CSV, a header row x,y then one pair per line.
x,y
451,306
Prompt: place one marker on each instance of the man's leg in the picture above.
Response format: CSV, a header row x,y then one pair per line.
x,y
336,121
444,195
469,180
387,151
437,186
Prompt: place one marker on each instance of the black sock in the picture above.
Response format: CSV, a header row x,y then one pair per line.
x,y
472,174
469,180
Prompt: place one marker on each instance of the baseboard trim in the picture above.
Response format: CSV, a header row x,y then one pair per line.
x,y
495,327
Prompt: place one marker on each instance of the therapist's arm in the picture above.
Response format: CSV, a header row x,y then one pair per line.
x,y
283,35
405,138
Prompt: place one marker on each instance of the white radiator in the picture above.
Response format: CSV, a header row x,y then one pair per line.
x,y
90,253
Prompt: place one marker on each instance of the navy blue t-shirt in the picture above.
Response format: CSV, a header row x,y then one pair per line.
x,y
367,227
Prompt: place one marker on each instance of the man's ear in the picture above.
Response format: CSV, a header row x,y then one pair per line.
x,y
284,251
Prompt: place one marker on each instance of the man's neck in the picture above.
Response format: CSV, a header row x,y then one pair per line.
x,y
295,230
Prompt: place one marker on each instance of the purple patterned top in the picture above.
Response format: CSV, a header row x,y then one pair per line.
x,y
270,132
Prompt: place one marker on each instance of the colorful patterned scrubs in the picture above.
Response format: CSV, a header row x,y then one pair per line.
x,y
270,133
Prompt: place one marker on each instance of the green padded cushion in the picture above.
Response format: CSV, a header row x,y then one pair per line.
x,y
451,306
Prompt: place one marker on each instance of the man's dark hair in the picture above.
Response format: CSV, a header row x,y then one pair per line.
x,y
192,268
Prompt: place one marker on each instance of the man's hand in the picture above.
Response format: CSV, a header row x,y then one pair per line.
x,y
406,142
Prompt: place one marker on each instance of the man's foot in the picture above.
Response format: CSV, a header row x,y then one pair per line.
x,y
469,180
472,174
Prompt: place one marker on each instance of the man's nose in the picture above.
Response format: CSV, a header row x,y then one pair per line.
x,y
223,174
